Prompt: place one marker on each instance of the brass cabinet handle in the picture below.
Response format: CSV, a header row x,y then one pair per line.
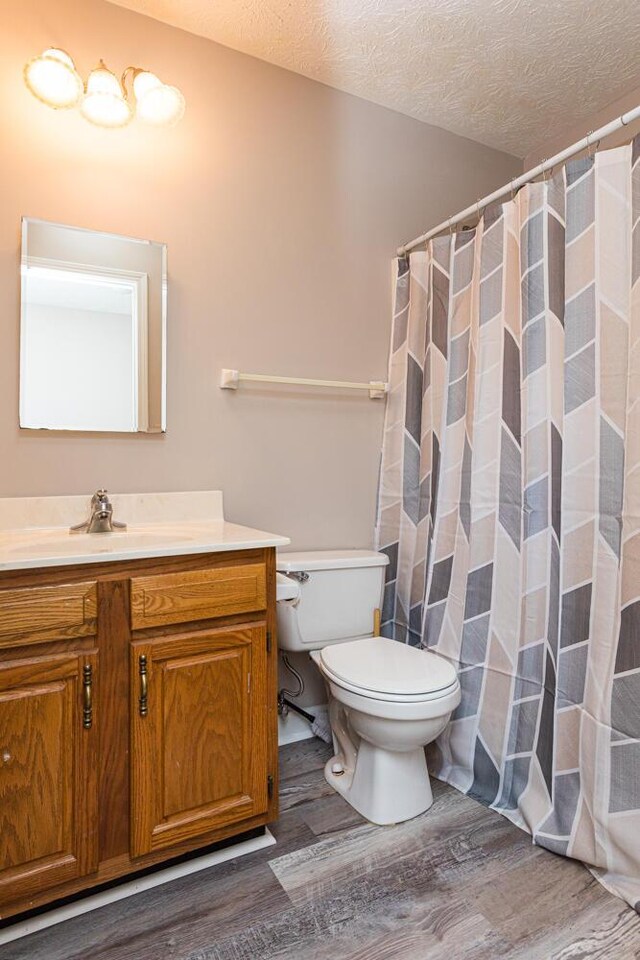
x,y
143,701
87,689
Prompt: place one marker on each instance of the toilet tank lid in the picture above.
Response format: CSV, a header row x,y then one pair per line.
x,y
329,560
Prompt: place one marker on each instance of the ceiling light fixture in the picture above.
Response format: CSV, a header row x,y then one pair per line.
x,y
103,100
156,102
53,79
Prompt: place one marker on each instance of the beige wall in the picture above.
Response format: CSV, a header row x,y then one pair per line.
x,y
579,130
281,201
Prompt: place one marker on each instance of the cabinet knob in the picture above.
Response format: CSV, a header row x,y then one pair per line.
x,y
6,756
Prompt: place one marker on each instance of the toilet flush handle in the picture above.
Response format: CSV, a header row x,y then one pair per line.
x,y
299,575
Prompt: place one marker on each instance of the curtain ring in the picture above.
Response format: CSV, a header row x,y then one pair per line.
x,y
450,226
546,173
513,192
478,213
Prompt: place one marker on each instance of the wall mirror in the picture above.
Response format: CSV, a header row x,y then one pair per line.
x,y
92,330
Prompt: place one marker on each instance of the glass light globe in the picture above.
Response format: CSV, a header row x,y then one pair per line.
x,y
104,102
53,79
156,102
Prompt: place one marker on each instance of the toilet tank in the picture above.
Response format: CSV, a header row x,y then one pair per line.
x,y
339,590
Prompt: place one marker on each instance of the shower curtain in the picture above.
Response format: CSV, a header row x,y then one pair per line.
x,y
509,504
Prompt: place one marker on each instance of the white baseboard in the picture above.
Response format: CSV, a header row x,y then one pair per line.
x,y
293,727
132,887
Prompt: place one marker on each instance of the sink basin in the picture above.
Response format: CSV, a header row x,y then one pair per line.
x,y
59,543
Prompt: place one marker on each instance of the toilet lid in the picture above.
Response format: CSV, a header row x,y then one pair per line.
x,y
382,665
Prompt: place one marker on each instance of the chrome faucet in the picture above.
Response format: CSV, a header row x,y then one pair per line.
x,y
101,516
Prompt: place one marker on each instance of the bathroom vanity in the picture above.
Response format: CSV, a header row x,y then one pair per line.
x,y
137,690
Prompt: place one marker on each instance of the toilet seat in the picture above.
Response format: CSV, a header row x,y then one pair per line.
x,y
383,669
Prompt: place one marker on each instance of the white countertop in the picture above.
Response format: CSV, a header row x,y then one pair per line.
x,y
158,525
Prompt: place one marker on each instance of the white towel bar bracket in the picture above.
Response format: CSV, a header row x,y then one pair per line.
x,y
231,379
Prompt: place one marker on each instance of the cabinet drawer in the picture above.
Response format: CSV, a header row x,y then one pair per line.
x,y
198,595
31,614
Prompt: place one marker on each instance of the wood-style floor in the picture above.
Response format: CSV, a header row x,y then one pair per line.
x,y
459,883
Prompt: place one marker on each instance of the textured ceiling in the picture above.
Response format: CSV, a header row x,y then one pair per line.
x,y
508,73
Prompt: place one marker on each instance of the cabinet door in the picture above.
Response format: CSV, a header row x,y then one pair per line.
x,y
48,781
199,734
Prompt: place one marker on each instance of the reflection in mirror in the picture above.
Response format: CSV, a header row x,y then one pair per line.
x,y
92,330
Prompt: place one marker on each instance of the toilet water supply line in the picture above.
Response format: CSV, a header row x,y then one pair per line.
x,y
475,210
284,690
319,723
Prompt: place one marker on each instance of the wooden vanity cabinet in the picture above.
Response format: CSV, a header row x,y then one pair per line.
x,y
48,795
199,734
137,716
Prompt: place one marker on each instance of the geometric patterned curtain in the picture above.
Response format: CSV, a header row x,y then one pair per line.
x,y
509,503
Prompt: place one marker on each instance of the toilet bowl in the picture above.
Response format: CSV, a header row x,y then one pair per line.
x,y
386,700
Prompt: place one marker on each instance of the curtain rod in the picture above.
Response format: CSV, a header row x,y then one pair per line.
x,y
594,136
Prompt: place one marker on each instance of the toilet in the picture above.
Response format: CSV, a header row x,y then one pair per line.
x,y
387,700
